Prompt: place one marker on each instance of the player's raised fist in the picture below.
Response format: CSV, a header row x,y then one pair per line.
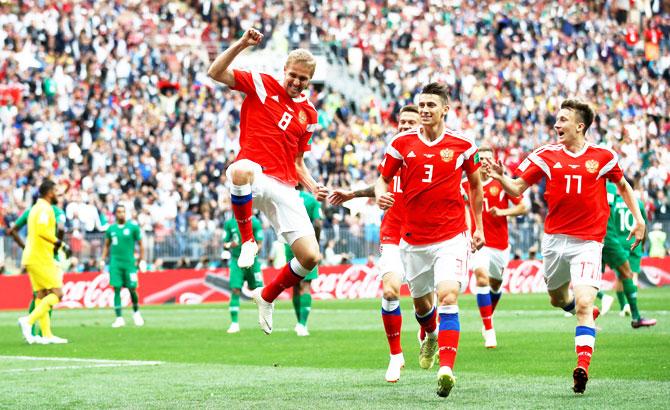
x,y
339,196
385,201
252,37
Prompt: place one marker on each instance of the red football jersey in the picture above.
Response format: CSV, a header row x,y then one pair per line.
x,y
575,189
431,176
495,227
390,228
274,128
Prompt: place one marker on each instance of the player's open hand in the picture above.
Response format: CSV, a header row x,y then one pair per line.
x,y
494,169
339,196
385,201
477,240
321,192
251,37
638,232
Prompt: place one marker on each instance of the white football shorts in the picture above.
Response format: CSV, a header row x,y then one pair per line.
x,y
569,259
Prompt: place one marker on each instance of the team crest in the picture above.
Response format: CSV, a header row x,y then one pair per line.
x,y
302,117
592,165
494,190
447,155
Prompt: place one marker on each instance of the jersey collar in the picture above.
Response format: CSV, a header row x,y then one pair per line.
x,y
578,153
427,141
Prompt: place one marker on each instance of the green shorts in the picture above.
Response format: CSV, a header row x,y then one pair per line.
x,y
123,276
251,275
635,262
310,276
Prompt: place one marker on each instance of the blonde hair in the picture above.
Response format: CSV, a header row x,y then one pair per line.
x,y
302,56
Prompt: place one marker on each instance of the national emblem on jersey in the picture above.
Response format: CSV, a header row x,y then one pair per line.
x,y
446,155
591,166
494,191
302,117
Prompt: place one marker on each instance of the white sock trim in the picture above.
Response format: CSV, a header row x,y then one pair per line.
x,y
499,291
390,305
585,340
240,190
298,269
483,290
447,309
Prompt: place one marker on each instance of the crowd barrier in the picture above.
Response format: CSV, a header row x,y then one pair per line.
x,y
193,286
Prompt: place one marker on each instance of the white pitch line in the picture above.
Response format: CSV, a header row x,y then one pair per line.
x,y
43,369
80,360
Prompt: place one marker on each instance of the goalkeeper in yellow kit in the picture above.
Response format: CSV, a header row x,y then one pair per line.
x,y
38,259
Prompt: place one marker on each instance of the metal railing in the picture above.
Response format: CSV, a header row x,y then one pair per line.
x,y
207,247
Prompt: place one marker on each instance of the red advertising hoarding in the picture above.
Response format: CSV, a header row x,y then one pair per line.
x,y
190,286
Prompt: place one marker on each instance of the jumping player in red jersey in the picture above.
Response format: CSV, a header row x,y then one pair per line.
x,y
490,262
276,125
575,173
390,263
434,242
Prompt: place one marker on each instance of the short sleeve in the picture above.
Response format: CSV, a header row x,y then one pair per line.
x,y
472,164
23,219
108,234
529,172
244,82
138,233
392,160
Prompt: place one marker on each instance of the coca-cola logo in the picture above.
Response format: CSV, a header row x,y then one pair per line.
x,y
95,293
527,277
357,281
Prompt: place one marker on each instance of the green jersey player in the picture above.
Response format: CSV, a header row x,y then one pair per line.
x,y
58,256
252,275
618,255
120,241
302,292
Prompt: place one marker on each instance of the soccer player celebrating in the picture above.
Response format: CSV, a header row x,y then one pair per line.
x,y
277,121
390,263
618,254
251,275
434,242
489,262
60,234
302,292
38,259
120,241
575,173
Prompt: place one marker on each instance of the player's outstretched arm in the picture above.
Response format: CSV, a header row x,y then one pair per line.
x,y
319,191
516,210
384,198
476,203
628,196
343,195
514,187
219,70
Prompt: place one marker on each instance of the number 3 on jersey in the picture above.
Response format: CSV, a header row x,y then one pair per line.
x,y
285,121
429,173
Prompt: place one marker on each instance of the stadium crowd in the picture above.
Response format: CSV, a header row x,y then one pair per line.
x,y
112,99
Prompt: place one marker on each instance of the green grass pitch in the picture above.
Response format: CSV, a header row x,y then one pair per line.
x,y
183,358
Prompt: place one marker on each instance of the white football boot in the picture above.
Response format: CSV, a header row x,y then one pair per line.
x,y
247,254
264,311
118,322
396,362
